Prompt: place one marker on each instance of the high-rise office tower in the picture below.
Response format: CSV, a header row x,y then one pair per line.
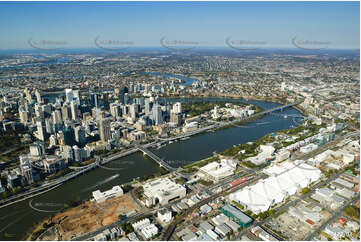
x,y
106,101
80,137
104,129
157,114
38,96
66,112
69,95
76,96
41,129
147,106
49,126
74,110
69,135
94,100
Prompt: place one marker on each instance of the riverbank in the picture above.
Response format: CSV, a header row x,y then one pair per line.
x,y
135,165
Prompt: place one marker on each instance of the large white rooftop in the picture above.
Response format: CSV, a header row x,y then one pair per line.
x,y
285,179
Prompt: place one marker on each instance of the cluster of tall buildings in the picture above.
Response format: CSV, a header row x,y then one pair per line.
x,y
70,127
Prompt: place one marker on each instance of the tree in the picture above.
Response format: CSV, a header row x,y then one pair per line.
x,y
305,190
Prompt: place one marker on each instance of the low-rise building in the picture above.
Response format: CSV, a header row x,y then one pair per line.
x,y
237,215
163,190
99,196
165,215
215,171
149,231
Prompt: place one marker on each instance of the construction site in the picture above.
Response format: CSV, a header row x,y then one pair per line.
x,y
88,217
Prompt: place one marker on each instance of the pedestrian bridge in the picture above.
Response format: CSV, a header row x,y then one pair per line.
x,y
160,161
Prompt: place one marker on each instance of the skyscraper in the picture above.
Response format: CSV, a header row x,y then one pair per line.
x,y
157,114
76,97
69,95
104,129
94,100
74,110
69,135
41,129
38,96
66,112
80,137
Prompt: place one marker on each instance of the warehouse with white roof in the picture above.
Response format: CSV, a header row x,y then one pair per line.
x,y
284,180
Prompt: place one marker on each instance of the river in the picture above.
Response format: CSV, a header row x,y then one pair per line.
x,y
18,218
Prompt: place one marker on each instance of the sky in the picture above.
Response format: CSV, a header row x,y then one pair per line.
x,y
26,25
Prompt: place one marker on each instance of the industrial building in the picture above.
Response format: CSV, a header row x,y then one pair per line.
x,y
237,215
162,191
284,180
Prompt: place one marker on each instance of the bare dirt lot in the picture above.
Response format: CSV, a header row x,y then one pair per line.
x,y
91,216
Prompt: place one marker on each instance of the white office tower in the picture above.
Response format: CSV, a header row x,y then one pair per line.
x,y
40,130
77,154
38,96
147,108
38,110
57,121
115,110
76,96
104,129
80,137
133,111
69,95
49,126
177,107
126,98
74,110
157,114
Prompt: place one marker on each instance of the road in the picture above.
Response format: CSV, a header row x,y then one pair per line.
x,y
224,183
168,233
